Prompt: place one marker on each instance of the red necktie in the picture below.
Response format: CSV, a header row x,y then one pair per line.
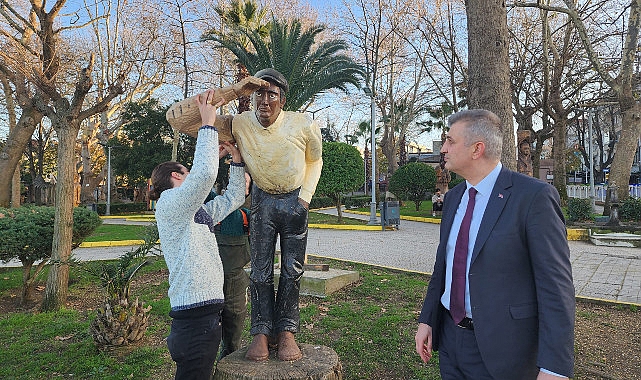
x,y
459,266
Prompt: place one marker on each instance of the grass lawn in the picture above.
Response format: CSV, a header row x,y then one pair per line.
x,y
116,232
408,208
370,325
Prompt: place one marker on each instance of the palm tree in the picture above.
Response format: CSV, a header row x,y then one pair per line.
x,y
365,131
241,17
289,50
120,320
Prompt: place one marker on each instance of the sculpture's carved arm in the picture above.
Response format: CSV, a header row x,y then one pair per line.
x,y
185,117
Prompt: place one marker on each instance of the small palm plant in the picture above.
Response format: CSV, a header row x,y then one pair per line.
x,y
120,321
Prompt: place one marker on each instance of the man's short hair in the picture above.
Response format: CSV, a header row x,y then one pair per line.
x,y
481,125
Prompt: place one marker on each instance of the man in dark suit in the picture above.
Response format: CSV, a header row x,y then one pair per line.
x,y
500,303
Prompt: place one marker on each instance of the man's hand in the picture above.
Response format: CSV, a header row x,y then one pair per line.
x,y
227,147
207,108
423,340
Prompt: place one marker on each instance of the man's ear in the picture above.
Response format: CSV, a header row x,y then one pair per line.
x,y
283,100
479,150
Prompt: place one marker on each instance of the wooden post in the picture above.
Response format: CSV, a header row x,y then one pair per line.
x,y
317,363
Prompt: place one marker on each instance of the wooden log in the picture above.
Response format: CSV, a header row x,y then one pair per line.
x,y
317,363
185,116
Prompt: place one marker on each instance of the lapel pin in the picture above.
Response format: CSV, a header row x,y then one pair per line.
x,y
500,195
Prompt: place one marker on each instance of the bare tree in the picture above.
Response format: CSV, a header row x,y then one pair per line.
x,y
16,85
130,40
381,30
11,113
611,14
39,61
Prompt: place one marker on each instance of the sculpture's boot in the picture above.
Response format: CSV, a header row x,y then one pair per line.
x,y
287,348
258,350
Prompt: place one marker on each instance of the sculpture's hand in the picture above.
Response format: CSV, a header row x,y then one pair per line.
x,y
248,85
243,88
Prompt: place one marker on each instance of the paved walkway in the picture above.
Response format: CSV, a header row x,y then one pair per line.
x,y
602,273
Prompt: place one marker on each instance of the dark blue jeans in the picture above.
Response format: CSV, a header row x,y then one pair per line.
x,y
193,341
272,216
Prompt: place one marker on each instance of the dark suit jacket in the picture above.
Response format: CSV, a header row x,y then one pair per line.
x,y
520,280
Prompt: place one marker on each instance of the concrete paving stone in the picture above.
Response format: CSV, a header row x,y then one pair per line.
x,y
611,273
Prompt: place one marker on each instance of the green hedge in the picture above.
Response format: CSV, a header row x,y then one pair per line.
x,y
321,202
579,210
26,232
122,208
357,201
630,210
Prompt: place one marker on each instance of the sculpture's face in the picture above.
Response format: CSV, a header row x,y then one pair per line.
x,y
268,103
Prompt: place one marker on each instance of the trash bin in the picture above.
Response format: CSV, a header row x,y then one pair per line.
x,y
390,214
92,207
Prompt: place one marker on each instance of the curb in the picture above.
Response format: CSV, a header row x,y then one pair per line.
x,y
572,233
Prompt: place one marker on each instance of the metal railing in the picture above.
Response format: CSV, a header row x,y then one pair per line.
x,y
583,191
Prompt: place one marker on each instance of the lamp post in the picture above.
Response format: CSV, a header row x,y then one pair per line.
x,y
108,206
320,109
372,214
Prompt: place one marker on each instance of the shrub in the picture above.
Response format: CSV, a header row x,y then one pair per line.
x,y
358,201
321,202
26,234
455,181
412,181
579,210
630,210
122,208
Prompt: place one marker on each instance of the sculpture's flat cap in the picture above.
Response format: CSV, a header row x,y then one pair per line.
x,y
271,75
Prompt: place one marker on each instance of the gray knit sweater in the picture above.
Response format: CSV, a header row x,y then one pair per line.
x,y
190,250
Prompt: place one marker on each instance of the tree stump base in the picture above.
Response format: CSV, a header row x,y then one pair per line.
x,y
317,363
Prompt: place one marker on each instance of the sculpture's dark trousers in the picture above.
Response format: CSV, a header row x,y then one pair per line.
x,y
275,215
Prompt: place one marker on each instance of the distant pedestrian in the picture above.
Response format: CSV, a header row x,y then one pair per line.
x,y
437,202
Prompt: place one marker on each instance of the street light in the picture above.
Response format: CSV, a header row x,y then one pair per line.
x,y
108,205
108,208
314,112
372,214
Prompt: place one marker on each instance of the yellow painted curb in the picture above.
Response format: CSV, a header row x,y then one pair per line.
x,y
115,243
346,227
606,301
132,218
578,234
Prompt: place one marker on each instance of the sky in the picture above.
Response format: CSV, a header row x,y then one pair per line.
x,y
329,107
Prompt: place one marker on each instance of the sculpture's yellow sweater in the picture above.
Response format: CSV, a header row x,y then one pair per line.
x,y
282,157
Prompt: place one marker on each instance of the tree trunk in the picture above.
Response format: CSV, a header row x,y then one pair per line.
x,y
11,153
626,147
489,67
317,363
57,282
15,188
558,154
